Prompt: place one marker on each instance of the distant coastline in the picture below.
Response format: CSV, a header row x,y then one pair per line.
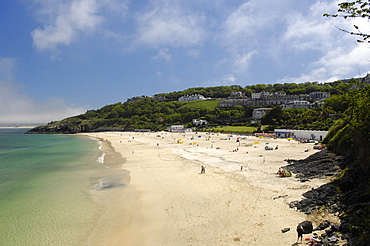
x,y
6,127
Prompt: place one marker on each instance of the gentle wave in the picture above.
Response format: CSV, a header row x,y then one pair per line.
x,y
109,182
101,158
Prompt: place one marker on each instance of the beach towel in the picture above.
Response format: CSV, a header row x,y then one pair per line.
x,y
287,173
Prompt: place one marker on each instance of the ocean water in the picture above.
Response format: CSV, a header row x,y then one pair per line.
x,y
51,188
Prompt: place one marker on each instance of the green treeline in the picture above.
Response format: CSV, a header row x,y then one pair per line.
x,y
289,88
157,114
350,135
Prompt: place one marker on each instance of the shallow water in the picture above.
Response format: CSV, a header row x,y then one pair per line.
x,y
51,188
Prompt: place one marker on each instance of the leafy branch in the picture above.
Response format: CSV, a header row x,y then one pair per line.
x,y
356,9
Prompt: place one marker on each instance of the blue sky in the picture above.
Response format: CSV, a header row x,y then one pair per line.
x,y
59,58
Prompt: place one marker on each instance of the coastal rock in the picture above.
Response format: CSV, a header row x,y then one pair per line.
x,y
322,226
324,196
318,165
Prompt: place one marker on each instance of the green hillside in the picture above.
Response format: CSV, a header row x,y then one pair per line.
x,y
162,110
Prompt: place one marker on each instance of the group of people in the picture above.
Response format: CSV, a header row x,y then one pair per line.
x,y
281,172
314,240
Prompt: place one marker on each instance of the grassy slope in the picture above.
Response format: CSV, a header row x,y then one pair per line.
x,y
235,129
208,104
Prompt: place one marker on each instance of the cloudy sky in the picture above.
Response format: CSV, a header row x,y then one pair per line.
x,y
59,58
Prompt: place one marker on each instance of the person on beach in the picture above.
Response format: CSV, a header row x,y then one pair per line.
x,y
300,232
281,172
314,240
202,169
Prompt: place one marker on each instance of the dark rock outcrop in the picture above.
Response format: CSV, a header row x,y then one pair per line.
x,y
349,194
318,165
54,129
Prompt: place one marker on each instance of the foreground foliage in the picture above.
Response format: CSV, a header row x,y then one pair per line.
x,y
350,136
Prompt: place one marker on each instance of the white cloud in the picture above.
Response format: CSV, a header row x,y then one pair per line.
x,y
227,79
163,54
337,63
340,56
242,62
252,23
19,108
245,21
341,62
158,74
7,66
119,7
312,31
193,53
67,21
282,31
170,25
250,30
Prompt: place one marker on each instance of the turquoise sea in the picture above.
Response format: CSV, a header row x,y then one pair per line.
x,y
49,188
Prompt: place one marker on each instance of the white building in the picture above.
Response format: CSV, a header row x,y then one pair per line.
x,y
236,94
301,134
194,97
258,113
261,94
318,95
197,122
234,102
177,128
298,104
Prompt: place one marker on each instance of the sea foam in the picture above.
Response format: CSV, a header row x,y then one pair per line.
x,y
101,158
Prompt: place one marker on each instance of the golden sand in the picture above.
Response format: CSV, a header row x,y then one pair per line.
x,y
240,200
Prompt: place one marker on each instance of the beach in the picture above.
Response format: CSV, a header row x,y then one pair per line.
x,y
239,200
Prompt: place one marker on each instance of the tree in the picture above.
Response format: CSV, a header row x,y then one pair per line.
x,y
275,116
339,103
355,9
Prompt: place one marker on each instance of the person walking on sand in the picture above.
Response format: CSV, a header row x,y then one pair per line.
x,y
202,169
300,232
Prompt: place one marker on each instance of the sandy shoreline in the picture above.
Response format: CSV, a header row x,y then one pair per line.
x,y
168,201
